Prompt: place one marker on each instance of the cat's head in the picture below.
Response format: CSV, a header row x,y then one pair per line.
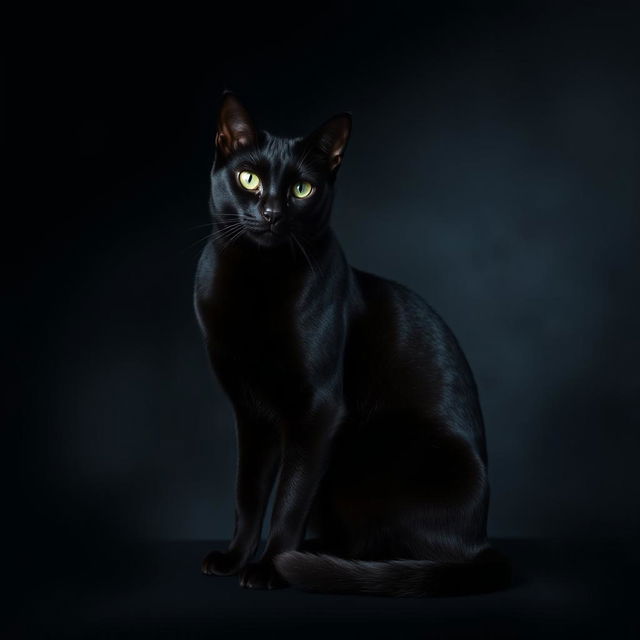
x,y
270,189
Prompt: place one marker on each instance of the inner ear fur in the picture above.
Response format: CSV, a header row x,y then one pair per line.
x,y
235,126
331,138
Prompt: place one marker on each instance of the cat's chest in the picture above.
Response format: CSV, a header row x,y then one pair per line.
x,y
263,352
274,350
276,328
254,307
252,331
253,327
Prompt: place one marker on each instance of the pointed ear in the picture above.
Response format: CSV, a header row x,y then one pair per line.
x,y
235,127
331,138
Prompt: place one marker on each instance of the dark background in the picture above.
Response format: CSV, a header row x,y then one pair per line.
x,y
493,167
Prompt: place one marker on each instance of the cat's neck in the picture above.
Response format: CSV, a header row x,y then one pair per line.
x,y
247,282
295,258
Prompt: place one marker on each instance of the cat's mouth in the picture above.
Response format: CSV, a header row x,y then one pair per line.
x,y
267,236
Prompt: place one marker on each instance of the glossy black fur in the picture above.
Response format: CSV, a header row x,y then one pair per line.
x,y
348,389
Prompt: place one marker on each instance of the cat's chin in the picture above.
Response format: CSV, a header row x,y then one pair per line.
x,y
268,239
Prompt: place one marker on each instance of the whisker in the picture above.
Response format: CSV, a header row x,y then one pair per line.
x,y
308,239
227,231
199,226
304,239
210,224
231,240
304,253
219,234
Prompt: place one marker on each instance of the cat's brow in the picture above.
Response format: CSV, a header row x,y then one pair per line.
x,y
254,158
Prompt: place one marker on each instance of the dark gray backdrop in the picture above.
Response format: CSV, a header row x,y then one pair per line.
x,y
493,168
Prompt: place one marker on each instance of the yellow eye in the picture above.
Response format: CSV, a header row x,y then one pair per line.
x,y
302,189
248,180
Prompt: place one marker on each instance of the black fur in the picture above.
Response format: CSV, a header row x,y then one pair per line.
x,y
346,386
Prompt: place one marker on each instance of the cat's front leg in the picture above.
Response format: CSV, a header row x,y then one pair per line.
x,y
305,458
258,456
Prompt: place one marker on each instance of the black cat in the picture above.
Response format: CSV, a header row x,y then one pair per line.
x,y
346,386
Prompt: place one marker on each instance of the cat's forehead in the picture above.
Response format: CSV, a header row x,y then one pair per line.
x,y
278,159
279,152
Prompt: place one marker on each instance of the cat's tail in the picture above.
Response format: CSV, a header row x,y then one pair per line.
x,y
488,571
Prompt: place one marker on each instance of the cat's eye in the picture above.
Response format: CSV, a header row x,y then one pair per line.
x,y
302,189
249,180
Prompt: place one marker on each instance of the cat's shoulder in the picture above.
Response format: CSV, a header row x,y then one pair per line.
x,y
204,272
385,294
377,286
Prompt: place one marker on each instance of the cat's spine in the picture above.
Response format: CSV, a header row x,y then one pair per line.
x,y
488,571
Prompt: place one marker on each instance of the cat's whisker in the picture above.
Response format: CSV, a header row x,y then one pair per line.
x,y
230,230
306,239
217,217
200,226
197,242
231,240
291,247
304,253
227,232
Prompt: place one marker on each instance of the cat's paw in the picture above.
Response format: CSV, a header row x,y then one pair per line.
x,y
261,575
222,563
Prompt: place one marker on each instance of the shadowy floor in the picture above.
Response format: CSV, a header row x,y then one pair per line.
x,y
561,589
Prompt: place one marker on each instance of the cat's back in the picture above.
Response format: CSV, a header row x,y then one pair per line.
x,y
398,338
395,310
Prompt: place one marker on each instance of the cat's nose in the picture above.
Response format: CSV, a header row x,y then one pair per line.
x,y
274,218
270,215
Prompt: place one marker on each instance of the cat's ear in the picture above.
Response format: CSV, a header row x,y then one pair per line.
x,y
235,127
331,138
